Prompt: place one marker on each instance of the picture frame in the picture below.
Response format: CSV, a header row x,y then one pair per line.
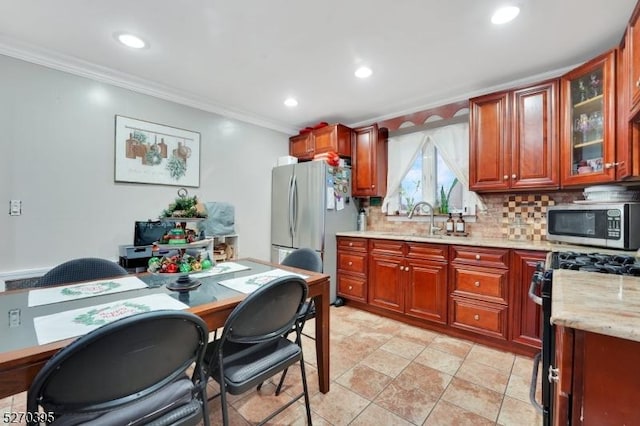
x,y
152,153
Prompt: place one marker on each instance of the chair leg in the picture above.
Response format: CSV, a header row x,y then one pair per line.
x,y
279,388
307,404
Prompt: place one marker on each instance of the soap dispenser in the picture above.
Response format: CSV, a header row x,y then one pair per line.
x,y
362,221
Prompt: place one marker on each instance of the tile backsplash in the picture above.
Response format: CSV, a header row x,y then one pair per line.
x,y
525,217
495,222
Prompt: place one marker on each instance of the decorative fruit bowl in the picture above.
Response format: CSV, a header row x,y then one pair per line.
x,y
180,265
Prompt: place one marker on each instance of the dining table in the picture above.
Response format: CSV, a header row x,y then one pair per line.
x,y
22,355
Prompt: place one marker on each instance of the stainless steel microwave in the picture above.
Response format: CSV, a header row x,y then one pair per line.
x,y
612,225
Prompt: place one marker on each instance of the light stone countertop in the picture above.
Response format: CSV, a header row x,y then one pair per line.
x,y
482,242
600,303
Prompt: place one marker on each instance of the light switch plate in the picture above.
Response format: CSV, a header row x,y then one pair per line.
x,y
15,207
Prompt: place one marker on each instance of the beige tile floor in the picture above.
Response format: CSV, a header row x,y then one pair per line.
x,y
387,373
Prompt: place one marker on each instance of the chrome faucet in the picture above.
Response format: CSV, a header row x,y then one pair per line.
x,y
432,229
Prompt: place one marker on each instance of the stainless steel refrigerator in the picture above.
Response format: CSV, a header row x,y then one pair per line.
x,y
310,202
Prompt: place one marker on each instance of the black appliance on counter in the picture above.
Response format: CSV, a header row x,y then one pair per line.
x,y
145,233
540,291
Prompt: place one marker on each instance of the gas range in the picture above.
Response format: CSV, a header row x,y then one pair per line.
x,y
540,292
619,264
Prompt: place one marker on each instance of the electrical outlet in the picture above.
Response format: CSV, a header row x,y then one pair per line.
x,y
14,318
15,207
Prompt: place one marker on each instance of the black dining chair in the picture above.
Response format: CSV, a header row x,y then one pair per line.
x,y
309,259
253,345
143,369
82,269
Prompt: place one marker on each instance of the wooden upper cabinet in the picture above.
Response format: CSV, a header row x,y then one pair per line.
x,y
514,139
633,61
335,137
534,145
301,146
369,162
588,128
489,153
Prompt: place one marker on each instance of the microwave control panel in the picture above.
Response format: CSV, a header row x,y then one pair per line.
x,y
613,224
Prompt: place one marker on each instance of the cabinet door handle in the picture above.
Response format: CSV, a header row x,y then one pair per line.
x,y
350,287
638,83
610,165
477,257
406,268
513,176
476,317
505,177
477,283
553,374
402,268
373,187
350,244
350,263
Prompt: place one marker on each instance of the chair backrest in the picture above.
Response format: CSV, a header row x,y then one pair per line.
x,y
267,313
123,361
304,258
87,268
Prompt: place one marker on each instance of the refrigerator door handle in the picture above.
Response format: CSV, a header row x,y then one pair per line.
x,y
294,209
290,205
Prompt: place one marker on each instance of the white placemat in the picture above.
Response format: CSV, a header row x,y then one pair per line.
x,y
221,268
78,322
250,283
45,296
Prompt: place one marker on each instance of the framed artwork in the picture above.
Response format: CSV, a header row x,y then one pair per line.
x,y
157,154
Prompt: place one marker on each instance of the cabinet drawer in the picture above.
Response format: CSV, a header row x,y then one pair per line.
x,y
485,318
388,247
352,262
428,251
359,244
351,287
491,283
480,256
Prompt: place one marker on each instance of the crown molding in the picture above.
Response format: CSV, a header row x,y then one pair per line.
x,y
79,67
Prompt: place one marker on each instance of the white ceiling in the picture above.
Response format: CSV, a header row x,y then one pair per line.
x,y
242,58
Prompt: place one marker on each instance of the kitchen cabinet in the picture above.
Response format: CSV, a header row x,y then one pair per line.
x,y
301,146
479,288
507,130
335,137
369,162
588,150
352,266
409,278
386,273
525,314
597,380
628,107
632,63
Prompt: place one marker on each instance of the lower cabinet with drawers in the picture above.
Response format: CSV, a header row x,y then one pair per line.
x,y
352,268
479,290
466,291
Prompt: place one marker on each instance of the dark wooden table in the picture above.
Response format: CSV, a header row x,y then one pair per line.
x,y
21,357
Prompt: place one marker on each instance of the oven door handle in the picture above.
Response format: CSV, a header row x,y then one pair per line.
x,y
532,291
534,383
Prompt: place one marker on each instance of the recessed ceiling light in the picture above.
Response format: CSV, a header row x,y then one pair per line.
x,y
505,14
363,72
291,102
130,40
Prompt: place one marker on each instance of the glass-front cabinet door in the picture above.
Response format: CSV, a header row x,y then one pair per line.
x,y
588,126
